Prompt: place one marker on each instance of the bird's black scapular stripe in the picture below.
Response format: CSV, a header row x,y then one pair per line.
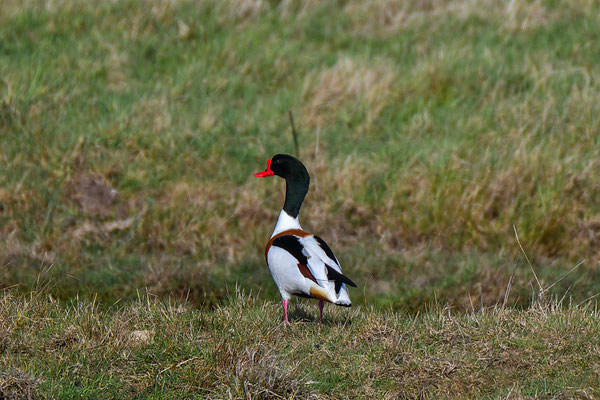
x,y
338,278
292,245
326,249
300,294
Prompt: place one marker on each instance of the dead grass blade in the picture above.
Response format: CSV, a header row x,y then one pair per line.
x,y
564,275
528,262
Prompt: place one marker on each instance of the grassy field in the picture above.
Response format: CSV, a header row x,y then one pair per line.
x,y
435,132
130,130
159,351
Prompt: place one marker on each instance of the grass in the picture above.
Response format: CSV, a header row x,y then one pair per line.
x,y
130,130
152,349
431,130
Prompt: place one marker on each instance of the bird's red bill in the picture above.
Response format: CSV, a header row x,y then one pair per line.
x,y
266,172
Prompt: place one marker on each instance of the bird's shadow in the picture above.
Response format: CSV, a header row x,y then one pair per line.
x,y
302,313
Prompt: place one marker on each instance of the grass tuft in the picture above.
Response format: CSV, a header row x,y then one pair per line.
x,y
16,385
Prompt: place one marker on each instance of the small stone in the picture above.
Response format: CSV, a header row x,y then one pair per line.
x,y
143,336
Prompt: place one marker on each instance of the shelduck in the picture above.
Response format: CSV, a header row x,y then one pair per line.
x,y
301,263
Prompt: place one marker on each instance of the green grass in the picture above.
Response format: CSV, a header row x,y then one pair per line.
x,y
129,131
438,128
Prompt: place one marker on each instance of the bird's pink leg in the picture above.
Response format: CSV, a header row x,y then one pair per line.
x,y
285,318
321,303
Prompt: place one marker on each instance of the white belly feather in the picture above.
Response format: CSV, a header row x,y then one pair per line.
x,y
285,273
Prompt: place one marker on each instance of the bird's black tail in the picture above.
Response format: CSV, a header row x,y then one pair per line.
x,y
338,278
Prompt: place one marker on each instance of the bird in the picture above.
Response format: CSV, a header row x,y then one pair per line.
x,y
301,263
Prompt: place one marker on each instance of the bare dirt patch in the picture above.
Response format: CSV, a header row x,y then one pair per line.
x,y
94,194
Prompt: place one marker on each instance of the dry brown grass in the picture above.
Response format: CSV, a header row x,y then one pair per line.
x,y
298,8
210,118
88,232
116,63
153,112
17,385
245,11
390,16
235,212
165,277
263,373
240,13
347,87
13,249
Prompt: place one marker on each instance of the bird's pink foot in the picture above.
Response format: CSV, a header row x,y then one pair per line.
x,y
285,314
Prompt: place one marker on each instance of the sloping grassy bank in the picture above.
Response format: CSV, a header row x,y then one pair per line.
x,y
151,349
129,130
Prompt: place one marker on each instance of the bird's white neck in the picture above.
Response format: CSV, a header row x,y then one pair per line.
x,y
285,222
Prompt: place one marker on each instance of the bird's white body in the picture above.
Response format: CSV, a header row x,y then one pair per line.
x,y
286,267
